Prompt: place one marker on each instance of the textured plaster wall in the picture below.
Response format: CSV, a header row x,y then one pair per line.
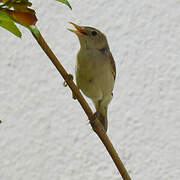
x,y
45,134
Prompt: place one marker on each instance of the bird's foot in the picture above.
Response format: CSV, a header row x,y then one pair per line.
x,y
94,117
97,116
69,78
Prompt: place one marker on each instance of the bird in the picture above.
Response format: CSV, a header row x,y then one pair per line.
x,y
95,69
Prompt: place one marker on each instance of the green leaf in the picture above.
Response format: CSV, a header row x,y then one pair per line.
x,y
7,23
65,2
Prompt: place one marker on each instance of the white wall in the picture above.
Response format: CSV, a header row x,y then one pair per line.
x,y
45,134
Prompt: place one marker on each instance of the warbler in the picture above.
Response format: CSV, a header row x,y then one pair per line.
x,y
95,69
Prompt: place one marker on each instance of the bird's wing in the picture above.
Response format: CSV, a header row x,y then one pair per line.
x,y
113,65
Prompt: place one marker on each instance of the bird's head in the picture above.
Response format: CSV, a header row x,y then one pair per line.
x,y
89,37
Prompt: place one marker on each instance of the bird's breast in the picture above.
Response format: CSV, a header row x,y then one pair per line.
x,y
93,75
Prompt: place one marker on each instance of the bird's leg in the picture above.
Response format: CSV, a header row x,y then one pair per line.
x,y
69,77
97,114
98,108
94,117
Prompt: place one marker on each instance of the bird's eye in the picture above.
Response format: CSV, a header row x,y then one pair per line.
x,y
94,33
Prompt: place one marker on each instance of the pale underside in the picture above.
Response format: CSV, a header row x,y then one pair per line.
x,y
95,76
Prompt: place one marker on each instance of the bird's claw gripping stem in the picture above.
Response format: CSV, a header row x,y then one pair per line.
x,y
69,77
95,117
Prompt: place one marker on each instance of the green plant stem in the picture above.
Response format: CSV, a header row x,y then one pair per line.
x,y
95,123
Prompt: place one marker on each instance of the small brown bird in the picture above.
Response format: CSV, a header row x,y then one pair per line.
x,y
95,69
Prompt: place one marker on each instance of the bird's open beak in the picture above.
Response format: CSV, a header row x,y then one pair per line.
x,y
78,31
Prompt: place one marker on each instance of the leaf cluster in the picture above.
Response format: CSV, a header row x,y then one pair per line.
x,y
18,11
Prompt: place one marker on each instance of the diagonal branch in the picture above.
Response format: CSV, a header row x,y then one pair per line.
x,y
95,123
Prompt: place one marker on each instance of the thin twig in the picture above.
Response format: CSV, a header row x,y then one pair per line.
x,y
96,125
